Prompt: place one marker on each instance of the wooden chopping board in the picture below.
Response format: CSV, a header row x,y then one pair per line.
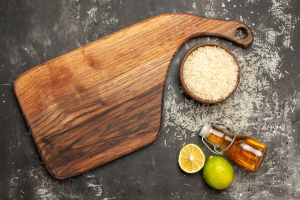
x,y
104,100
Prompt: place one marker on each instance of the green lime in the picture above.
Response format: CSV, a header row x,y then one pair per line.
x,y
218,173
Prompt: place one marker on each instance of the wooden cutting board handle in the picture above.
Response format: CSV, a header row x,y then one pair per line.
x,y
104,100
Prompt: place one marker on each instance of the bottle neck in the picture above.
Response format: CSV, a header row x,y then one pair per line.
x,y
219,138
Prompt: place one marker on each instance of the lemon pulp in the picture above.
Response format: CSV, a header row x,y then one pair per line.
x,y
191,158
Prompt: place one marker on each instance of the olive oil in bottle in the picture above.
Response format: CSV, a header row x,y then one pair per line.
x,y
243,150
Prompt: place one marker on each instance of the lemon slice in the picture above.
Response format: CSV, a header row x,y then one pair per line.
x,y
191,158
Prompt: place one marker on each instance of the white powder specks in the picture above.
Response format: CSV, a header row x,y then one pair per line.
x,y
100,12
43,186
5,84
266,55
102,2
251,1
75,9
96,188
92,14
210,10
271,36
194,5
93,184
44,193
112,20
285,21
14,182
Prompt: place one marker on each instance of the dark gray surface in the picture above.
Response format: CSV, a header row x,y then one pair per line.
x,y
266,105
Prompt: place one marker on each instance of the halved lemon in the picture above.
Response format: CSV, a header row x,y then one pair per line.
x,y
191,158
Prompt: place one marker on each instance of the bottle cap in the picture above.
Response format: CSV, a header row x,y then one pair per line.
x,y
205,129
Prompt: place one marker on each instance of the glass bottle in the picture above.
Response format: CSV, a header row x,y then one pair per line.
x,y
243,150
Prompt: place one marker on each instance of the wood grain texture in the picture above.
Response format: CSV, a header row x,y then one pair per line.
x,y
103,100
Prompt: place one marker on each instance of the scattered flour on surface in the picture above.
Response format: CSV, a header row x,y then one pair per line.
x,y
102,2
6,84
14,184
285,21
43,187
93,184
92,14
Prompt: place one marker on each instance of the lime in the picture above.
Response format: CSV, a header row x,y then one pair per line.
x,y
218,173
191,158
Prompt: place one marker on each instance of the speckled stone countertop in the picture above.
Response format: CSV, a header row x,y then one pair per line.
x,y
266,104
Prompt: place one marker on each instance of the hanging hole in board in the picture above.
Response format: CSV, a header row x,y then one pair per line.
x,y
241,33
